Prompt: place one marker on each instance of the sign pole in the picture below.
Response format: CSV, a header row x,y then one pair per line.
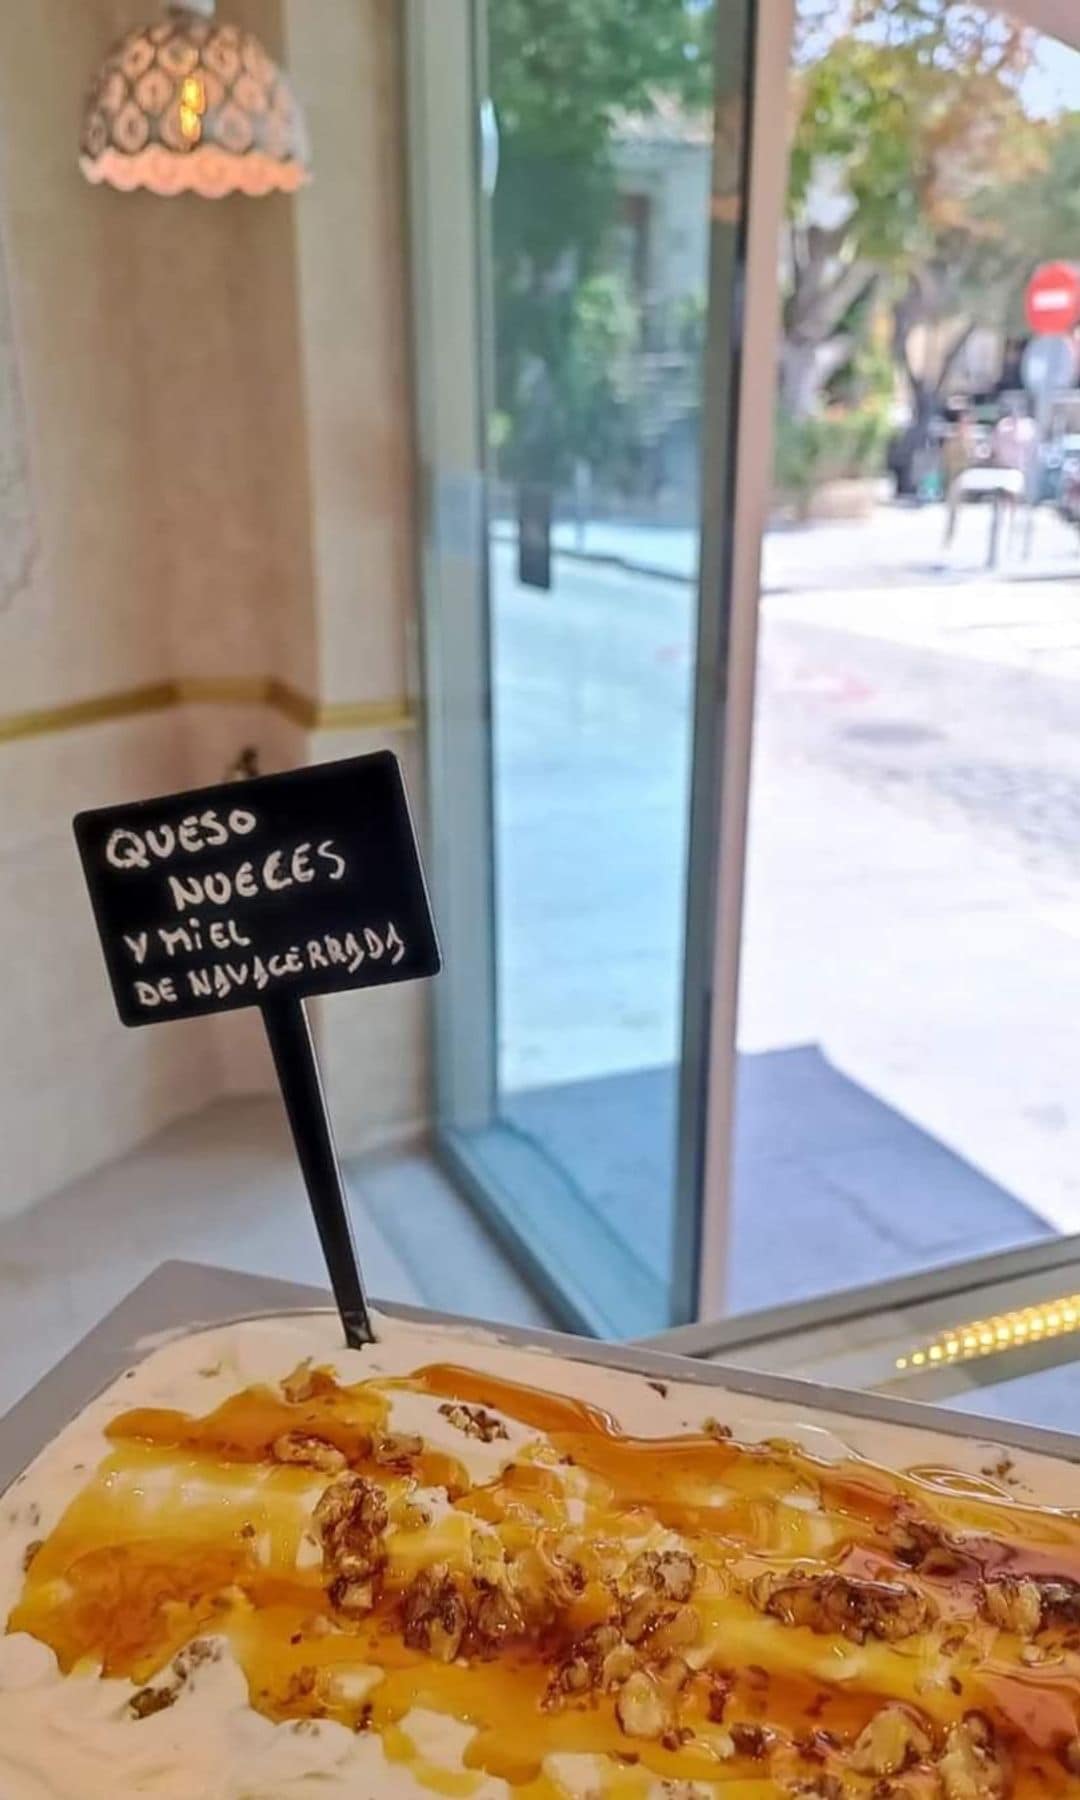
x,y
267,893
298,1073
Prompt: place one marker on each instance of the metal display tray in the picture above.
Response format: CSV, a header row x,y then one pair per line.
x,y
190,1296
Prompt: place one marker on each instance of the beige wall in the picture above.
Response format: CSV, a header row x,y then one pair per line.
x,y
345,58
205,408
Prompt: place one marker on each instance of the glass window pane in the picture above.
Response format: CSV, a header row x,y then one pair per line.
x,y
911,969
596,151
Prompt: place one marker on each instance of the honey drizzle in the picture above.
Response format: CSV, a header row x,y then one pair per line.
x,y
191,1528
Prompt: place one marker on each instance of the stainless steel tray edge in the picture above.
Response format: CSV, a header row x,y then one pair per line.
x,y
193,1296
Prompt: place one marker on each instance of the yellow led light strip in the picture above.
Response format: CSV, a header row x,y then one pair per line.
x,y
1003,1331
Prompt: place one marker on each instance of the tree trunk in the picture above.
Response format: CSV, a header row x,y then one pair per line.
x,y
806,369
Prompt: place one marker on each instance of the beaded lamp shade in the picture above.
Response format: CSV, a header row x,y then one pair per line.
x,y
188,105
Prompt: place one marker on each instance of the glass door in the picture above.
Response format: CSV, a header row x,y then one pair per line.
x,y
577,176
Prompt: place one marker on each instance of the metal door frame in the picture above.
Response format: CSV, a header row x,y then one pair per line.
x,y
443,41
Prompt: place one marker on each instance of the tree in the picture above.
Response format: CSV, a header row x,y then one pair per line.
x,y
902,122
562,74
1038,217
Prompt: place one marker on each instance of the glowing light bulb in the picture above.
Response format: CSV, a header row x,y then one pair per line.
x,y
192,107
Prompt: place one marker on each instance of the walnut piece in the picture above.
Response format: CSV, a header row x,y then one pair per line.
x,y
312,1452
923,1545
474,1421
972,1767
150,1700
678,1632
306,1383
852,1607
352,1595
434,1614
398,1447
1015,1605
891,1742
351,1519
1060,1601
671,1573
496,1618
641,1616
599,1661
640,1708
1027,1606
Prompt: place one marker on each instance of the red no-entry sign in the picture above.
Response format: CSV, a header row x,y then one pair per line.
x,y
1052,301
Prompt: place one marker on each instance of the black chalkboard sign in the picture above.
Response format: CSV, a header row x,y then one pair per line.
x,y
261,893
294,884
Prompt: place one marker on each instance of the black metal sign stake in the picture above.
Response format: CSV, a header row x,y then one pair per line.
x,y
300,1078
264,893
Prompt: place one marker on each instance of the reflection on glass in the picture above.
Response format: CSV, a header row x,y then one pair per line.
x,y
598,235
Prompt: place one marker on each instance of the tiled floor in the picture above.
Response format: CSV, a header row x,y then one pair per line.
x,y
832,1188
222,1187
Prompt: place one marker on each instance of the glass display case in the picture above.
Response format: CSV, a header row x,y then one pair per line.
x,y
997,1336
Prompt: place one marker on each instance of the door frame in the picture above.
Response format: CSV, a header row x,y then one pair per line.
x,y
443,45
733,703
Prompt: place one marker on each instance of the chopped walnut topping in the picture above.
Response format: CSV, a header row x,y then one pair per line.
x,y
301,1684
398,1447
925,1546
641,1709
1015,1605
972,1767
306,1383
599,1660
679,1631
193,1655
564,1577
496,1618
1027,1606
1060,1601
855,1608
434,1613
618,1665
351,1519
641,1615
474,1421
352,1595
720,1686
671,1573
750,1740
150,1700
352,1504
673,1674
891,1742
313,1452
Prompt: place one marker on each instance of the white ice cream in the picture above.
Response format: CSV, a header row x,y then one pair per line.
x,y
75,1739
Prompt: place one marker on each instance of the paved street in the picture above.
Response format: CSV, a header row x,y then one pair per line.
x,y
913,907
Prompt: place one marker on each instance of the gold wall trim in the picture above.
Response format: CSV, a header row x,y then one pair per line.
x,y
212,690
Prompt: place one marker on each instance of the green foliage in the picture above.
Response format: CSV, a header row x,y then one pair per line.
x,y
912,111
858,127
562,73
829,446
574,398
1038,216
